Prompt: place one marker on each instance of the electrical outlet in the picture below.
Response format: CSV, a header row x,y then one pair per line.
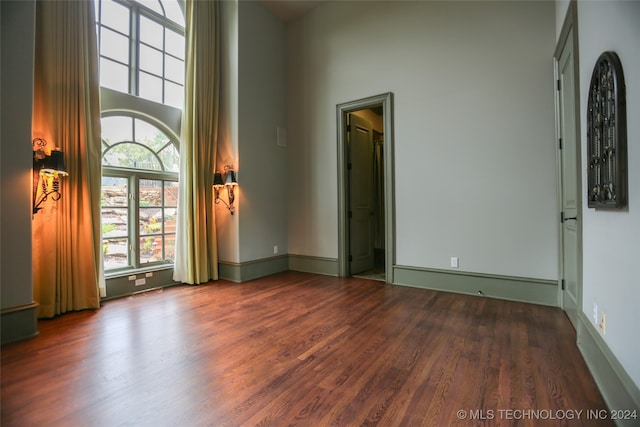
x,y
595,313
603,323
454,262
275,249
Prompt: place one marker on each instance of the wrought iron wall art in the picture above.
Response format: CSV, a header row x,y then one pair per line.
x,y
607,135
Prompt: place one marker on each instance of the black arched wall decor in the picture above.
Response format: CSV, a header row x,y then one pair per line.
x,y
607,135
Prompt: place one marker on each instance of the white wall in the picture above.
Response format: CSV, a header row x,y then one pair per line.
x,y
17,37
611,239
262,172
474,128
561,11
227,226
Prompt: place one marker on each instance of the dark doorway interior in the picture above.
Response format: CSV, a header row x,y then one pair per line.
x,y
366,193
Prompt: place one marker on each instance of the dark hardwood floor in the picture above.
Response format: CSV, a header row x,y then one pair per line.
x,y
300,349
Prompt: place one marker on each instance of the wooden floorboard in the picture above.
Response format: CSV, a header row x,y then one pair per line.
x,y
304,350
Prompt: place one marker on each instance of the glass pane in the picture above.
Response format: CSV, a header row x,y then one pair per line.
x,y
170,159
131,155
174,95
174,43
150,193
150,249
170,220
150,221
150,59
173,11
174,69
114,46
150,87
114,76
116,253
115,16
151,33
149,135
114,222
114,192
170,193
117,129
170,247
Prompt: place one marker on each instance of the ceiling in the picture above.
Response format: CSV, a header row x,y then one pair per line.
x,y
288,10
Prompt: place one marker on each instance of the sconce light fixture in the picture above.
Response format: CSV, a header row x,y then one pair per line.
x,y
229,181
47,170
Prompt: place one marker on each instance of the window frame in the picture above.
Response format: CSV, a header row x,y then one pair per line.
x,y
136,12
133,177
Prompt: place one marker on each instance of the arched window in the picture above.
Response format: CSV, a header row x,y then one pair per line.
x,y
139,193
142,57
129,142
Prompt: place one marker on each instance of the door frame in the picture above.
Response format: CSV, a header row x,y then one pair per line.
x,y
569,27
386,101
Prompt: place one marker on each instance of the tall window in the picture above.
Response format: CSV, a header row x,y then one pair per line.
x,y
142,52
139,194
142,48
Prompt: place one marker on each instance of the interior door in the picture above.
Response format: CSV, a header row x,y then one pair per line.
x,y
569,173
360,176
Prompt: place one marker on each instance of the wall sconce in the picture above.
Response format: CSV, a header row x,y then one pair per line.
x,y
228,181
47,169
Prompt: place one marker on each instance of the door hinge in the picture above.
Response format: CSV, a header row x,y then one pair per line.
x,y
562,284
560,143
561,217
350,258
350,214
558,84
348,128
349,166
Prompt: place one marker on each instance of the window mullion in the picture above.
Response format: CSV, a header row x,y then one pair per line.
x,y
134,51
134,216
163,220
164,62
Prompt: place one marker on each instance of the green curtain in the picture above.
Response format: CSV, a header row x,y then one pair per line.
x,y
67,263
196,241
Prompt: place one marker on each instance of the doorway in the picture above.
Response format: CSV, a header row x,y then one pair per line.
x,y
568,125
365,188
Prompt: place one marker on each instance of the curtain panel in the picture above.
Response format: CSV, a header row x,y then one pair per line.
x,y
196,240
67,266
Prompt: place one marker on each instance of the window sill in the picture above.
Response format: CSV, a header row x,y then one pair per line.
x,y
135,271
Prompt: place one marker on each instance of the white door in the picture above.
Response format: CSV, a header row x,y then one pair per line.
x,y
569,175
360,176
